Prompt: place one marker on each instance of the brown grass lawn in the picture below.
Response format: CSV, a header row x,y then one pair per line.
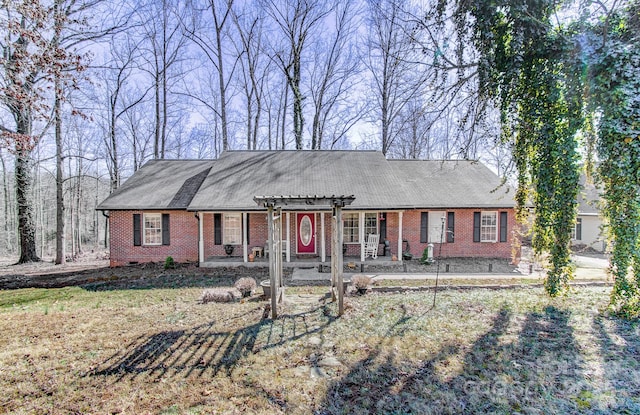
x,y
158,350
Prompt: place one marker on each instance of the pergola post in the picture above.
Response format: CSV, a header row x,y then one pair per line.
x,y
272,265
338,269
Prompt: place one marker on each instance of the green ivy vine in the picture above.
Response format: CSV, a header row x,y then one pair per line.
x,y
541,110
614,102
554,82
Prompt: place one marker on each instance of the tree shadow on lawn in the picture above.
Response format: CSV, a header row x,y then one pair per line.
x,y
205,351
541,371
619,343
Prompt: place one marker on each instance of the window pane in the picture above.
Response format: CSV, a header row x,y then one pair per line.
x,y
152,229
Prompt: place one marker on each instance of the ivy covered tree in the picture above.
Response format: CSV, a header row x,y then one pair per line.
x,y
612,48
527,69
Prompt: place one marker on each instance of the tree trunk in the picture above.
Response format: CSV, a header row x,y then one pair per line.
x,y
60,237
5,188
26,227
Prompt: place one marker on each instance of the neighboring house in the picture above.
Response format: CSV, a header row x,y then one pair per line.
x,y
192,209
588,231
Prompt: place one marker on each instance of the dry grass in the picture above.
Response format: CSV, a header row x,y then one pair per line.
x,y
161,351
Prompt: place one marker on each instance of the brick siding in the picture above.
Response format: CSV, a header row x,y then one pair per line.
x,y
184,237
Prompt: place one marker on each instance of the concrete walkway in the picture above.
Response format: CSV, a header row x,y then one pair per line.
x,y
588,269
312,274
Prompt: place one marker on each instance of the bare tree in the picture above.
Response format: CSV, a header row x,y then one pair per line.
x,y
296,20
8,223
164,48
116,79
333,77
209,37
396,78
255,69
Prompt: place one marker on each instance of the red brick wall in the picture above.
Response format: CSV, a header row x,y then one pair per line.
x,y
257,236
183,238
463,245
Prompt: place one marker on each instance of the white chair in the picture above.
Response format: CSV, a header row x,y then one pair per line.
x,y
371,246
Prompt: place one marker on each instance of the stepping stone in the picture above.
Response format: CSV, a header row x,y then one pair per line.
x,y
329,361
315,341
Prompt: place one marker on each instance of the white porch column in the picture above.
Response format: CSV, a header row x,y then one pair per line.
x,y
323,242
288,236
400,236
200,237
245,233
361,234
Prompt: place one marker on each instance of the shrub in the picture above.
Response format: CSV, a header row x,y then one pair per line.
x,y
169,263
425,260
217,295
361,282
245,285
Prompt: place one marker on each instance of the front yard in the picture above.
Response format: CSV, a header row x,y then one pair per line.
x,y
159,350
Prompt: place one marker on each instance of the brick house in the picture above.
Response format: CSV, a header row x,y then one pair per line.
x,y
192,209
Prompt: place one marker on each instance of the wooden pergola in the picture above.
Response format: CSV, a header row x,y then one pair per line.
x,y
274,206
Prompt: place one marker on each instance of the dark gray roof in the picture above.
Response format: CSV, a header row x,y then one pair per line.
x,y
231,182
238,176
160,184
452,184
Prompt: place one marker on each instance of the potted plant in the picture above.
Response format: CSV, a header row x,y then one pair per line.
x,y
228,249
266,288
361,283
406,252
245,285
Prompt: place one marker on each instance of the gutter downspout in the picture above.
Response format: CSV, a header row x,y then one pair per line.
x,y
198,216
106,229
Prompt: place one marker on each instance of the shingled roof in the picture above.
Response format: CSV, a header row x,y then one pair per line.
x,y
160,184
452,184
231,182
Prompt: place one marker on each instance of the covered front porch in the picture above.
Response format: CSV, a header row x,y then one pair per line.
x,y
227,238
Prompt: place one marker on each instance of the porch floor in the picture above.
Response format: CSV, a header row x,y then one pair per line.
x,y
296,262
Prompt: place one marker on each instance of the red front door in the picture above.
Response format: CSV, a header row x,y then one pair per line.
x,y
306,233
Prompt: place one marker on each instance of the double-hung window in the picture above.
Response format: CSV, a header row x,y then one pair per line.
x,y
152,229
350,228
232,228
489,227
